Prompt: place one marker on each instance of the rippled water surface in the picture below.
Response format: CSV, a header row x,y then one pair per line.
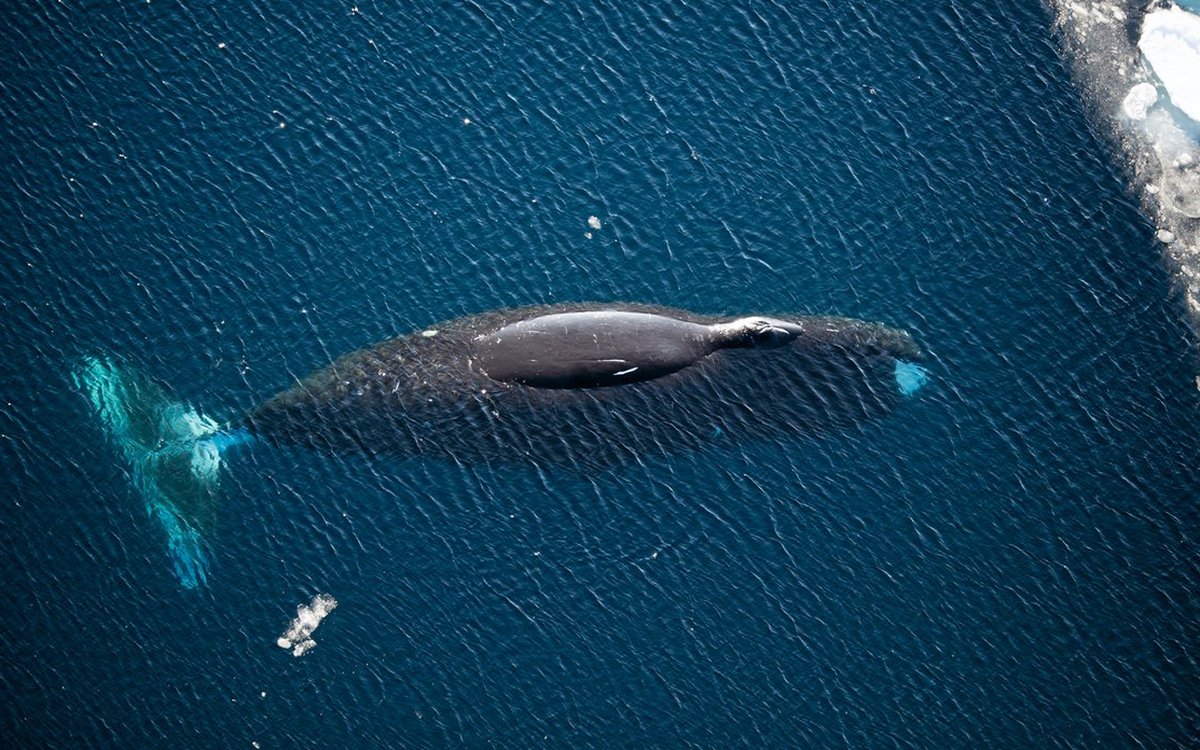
x,y
227,197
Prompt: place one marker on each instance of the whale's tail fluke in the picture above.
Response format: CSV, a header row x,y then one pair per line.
x,y
173,453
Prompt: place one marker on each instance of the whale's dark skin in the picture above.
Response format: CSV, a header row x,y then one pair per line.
x,y
601,348
590,384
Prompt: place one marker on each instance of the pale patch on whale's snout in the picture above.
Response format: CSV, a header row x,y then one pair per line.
x,y
910,377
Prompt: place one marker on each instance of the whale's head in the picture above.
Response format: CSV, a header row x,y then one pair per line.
x,y
756,333
823,342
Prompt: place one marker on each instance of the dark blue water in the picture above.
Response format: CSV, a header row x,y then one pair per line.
x,y
229,196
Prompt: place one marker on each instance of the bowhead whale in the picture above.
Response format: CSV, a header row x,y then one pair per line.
x,y
589,383
587,386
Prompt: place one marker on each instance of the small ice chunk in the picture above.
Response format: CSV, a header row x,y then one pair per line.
x,y
1171,42
298,636
1139,100
429,334
593,222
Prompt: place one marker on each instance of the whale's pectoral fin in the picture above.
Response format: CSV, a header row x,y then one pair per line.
x,y
173,453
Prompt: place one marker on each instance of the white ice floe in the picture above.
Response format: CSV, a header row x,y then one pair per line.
x,y
298,637
1171,43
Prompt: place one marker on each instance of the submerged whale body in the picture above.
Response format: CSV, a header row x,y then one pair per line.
x,y
593,384
586,386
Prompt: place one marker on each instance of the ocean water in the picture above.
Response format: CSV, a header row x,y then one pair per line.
x,y
227,197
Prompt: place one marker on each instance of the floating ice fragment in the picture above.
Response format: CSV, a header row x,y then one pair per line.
x,y
1139,100
1179,179
593,222
297,637
1171,42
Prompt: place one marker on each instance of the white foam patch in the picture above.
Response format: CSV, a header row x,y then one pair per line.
x,y
1171,43
298,637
